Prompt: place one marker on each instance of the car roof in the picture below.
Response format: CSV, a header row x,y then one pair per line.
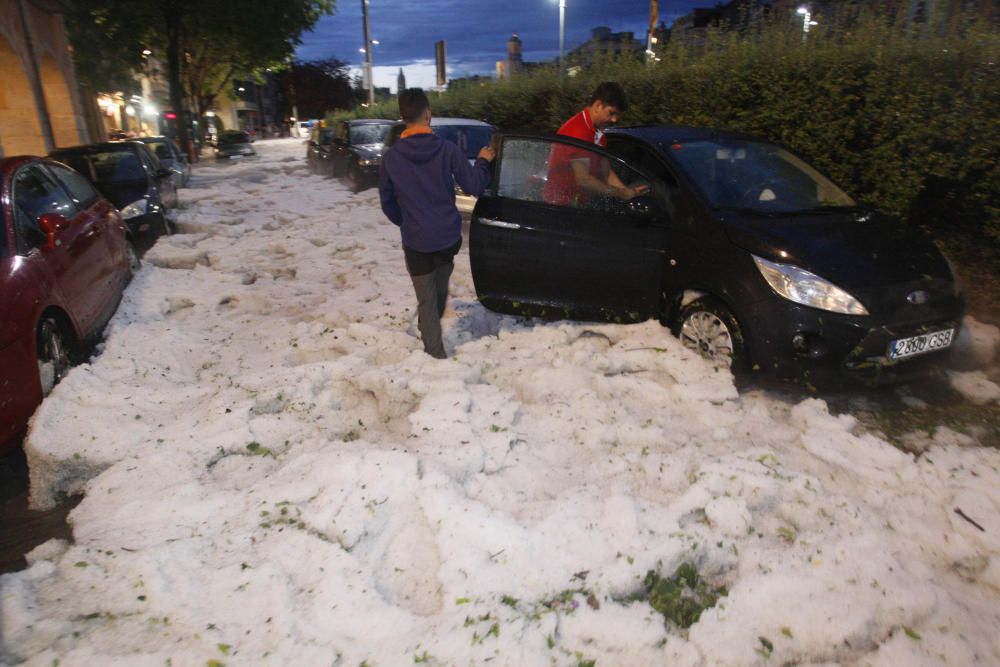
x,y
458,121
149,140
100,146
669,134
371,121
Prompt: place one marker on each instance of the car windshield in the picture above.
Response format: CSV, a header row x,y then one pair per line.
x,y
230,138
374,133
121,166
757,176
469,138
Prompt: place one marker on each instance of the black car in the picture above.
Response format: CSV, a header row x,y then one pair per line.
x,y
171,157
357,149
319,150
234,145
748,253
133,178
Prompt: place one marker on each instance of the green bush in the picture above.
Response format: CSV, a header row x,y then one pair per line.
x,y
908,120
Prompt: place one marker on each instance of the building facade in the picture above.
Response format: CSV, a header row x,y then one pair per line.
x,y
40,106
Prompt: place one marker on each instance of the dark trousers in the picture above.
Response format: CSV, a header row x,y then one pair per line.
x,y
430,273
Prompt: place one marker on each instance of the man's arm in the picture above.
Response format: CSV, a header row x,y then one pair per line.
x,y
387,196
612,188
473,178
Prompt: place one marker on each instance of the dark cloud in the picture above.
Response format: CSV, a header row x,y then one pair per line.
x,y
476,31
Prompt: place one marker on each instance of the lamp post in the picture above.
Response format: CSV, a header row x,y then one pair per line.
x,y
562,30
806,21
368,54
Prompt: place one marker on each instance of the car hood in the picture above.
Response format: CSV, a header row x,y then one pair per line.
x,y
369,151
854,249
236,148
123,194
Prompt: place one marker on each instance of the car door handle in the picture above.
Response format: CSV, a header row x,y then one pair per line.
x,y
499,223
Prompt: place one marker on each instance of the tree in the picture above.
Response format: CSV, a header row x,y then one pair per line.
x,y
205,41
321,86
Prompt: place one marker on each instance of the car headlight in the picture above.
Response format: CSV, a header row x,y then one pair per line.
x,y
135,209
368,163
807,288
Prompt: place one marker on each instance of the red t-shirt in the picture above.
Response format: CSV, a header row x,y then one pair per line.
x,y
561,188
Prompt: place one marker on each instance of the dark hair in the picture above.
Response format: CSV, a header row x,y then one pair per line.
x,y
612,94
412,104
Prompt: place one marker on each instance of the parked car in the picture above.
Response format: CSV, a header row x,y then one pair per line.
x,y
319,150
234,145
64,262
750,255
133,178
468,134
357,148
171,157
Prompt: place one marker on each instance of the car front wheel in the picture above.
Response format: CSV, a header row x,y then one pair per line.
x,y
708,327
54,358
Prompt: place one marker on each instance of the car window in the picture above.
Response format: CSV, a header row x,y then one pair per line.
x,y
107,166
80,190
469,138
663,184
369,133
542,170
35,194
152,162
230,138
755,175
161,149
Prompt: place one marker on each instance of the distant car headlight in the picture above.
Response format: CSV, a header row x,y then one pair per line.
x,y
135,209
368,163
807,288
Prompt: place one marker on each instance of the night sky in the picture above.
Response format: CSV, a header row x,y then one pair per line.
x,y
476,32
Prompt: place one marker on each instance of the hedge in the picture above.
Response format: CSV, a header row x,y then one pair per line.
x,y
906,119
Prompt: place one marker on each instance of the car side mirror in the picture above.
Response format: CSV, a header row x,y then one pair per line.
x,y
163,173
53,224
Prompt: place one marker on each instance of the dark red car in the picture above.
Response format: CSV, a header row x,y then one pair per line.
x,y
64,263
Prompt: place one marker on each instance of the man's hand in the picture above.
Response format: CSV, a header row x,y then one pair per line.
x,y
633,191
488,153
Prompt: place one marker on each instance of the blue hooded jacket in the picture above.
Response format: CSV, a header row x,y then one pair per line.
x,y
417,189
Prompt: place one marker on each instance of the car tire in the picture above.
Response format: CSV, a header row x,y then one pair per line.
x,y
707,326
167,228
53,353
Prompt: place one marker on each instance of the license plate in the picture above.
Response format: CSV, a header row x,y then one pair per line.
x,y
908,347
235,157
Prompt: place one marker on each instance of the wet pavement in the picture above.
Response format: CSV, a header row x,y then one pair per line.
x,y
23,529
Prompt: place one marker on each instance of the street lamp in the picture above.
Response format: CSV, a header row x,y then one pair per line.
x,y
368,53
806,20
562,31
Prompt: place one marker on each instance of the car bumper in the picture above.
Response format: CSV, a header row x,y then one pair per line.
x,y
793,341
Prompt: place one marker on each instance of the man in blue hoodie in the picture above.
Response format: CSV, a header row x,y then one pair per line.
x,y
417,188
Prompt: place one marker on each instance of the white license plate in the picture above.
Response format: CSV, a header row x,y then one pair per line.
x,y
235,157
908,347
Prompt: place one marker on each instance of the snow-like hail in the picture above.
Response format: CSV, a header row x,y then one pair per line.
x,y
276,474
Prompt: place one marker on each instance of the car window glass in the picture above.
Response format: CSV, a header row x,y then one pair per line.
x,y
562,174
756,175
79,188
35,194
106,166
663,185
369,133
469,138
161,149
148,158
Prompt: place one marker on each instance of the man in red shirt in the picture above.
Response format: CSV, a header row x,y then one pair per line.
x,y
576,175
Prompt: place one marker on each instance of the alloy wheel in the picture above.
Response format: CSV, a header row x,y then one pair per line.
x,y
706,333
53,355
